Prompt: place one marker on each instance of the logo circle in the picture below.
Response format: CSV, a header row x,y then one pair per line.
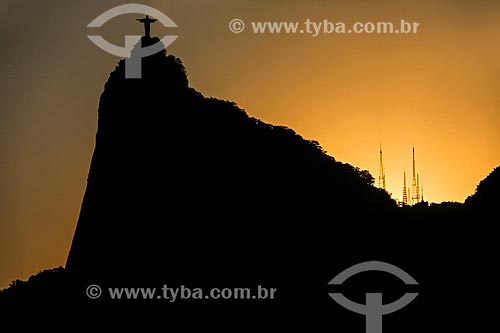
x,y
236,26
93,291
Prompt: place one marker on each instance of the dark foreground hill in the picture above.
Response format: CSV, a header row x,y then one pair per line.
x,y
188,190
487,196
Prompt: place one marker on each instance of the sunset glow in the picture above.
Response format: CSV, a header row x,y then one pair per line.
x,y
436,90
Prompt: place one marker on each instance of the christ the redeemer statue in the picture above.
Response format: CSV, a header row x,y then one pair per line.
x,y
147,25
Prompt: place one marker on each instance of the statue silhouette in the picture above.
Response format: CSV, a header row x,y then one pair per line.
x,y
147,25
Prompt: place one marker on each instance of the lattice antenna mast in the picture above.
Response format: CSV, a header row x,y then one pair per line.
x,y
418,189
405,194
381,173
422,189
414,189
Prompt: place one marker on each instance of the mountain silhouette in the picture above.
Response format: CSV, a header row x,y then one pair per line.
x,y
189,190
487,195
174,172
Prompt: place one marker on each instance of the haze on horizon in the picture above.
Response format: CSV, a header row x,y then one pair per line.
x,y
436,89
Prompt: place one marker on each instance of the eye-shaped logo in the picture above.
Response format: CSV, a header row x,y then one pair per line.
x,y
133,64
373,309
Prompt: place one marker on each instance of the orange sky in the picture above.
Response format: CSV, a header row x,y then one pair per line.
x,y
436,89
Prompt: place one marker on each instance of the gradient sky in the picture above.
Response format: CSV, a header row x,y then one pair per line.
x,y
436,89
